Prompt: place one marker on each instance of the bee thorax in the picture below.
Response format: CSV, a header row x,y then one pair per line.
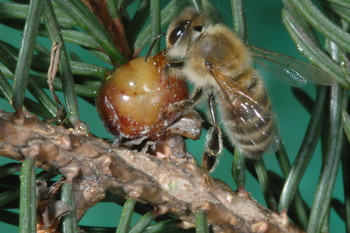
x,y
198,75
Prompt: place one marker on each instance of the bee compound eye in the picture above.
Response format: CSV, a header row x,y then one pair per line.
x,y
176,34
179,31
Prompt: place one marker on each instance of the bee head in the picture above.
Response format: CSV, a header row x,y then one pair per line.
x,y
182,32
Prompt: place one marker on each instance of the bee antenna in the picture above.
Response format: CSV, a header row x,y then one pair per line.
x,y
152,45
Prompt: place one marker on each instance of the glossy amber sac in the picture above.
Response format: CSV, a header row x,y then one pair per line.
x,y
133,101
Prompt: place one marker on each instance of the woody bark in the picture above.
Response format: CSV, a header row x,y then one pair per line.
x,y
174,186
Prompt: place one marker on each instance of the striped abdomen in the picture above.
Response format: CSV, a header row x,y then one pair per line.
x,y
247,116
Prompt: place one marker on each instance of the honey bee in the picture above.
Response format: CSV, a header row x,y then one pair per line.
x,y
214,59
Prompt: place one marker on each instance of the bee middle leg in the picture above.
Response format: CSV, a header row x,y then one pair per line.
x,y
213,140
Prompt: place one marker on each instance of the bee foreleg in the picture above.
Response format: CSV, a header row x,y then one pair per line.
x,y
185,105
214,139
174,68
174,65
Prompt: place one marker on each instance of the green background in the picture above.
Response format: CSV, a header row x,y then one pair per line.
x,y
265,30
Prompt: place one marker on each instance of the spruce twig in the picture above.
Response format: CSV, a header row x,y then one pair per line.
x,y
94,167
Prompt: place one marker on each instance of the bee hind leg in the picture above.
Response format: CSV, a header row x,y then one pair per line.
x,y
213,140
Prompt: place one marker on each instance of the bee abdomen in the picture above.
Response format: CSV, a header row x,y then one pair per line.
x,y
252,139
256,142
250,124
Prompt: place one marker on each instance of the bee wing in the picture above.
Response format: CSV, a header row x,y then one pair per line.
x,y
290,70
247,110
